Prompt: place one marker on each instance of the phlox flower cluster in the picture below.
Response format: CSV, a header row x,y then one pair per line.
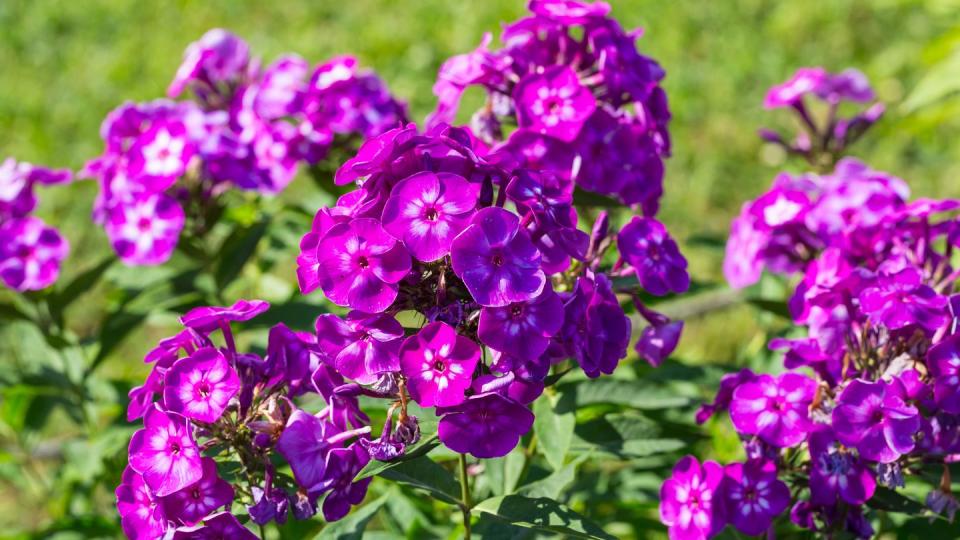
x,y
30,250
569,92
870,393
166,162
208,407
490,262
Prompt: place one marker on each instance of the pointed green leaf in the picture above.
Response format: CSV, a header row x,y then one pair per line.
x,y
554,427
541,514
352,526
424,473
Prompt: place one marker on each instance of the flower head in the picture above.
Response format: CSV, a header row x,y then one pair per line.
x,y
774,408
496,259
361,347
30,254
146,230
837,472
427,211
753,496
647,246
553,102
874,418
195,502
438,364
485,426
216,527
141,513
944,361
522,329
200,386
690,504
165,453
341,467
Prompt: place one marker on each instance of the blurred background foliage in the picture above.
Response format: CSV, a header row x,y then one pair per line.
x,y
65,64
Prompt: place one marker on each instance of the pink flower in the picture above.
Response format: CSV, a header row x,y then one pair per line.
x,y
165,453
553,102
438,365
201,385
145,231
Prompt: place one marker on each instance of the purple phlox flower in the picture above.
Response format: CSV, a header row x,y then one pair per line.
x,y
596,331
484,426
800,352
280,91
200,386
292,358
209,318
361,347
218,58
456,73
17,180
30,254
161,155
522,329
774,408
780,206
546,193
305,443
360,265
944,362
342,410
535,151
341,467
165,453
427,211
269,503
307,263
141,397
569,11
438,364
553,102
873,418
658,341
728,383
690,502
496,259
646,245
791,92
836,471
216,527
848,85
387,447
940,435
942,502
753,496
193,503
145,230
901,300
855,197
141,514
742,263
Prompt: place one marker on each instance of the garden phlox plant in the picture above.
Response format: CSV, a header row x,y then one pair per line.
x,y
166,163
869,395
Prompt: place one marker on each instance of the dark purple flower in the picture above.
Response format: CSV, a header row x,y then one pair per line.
x,y
836,471
222,526
30,254
360,265
195,502
690,503
774,408
753,496
427,211
522,329
496,259
145,231
657,342
596,331
553,102
803,82
341,467
902,299
165,453
728,384
438,364
200,386
209,318
305,442
647,246
141,514
361,347
943,359
484,426
873,418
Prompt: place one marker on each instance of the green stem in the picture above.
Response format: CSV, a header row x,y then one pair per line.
x,y
465,502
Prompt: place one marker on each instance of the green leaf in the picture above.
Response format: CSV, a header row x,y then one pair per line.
x,y
584,198
237,250
889,500
116,327
422,448
552,486
938,84
636,394
776,307
541,514
10,312
424,473
504,473
352,526
553,426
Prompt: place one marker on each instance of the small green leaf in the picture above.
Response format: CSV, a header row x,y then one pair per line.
x,y
552,486
776,307
504,473
424,473
583,198
80,284
9,312
553,426
541,514
116,327
352,526
636,394
237,250
891,501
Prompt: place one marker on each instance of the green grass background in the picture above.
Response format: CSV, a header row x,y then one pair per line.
x,y
65,64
